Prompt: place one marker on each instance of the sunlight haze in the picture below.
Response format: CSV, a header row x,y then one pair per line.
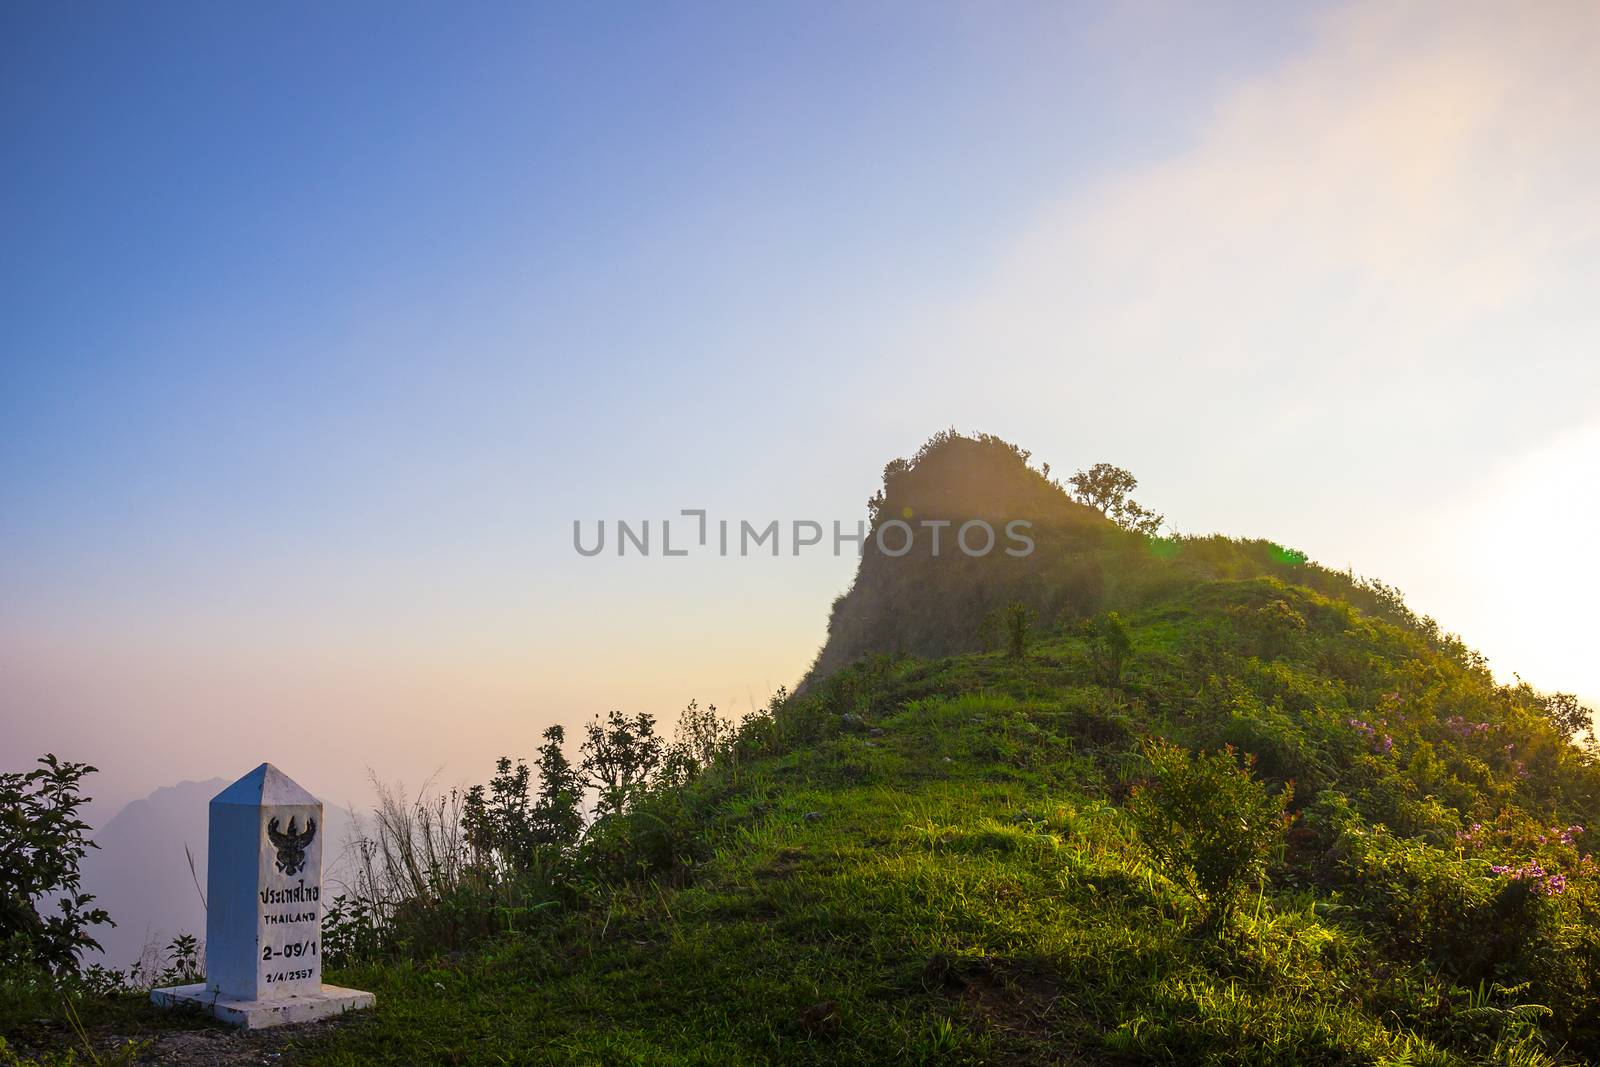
x,y
307,375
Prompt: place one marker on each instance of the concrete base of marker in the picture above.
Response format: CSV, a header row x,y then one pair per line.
x,y
256,1014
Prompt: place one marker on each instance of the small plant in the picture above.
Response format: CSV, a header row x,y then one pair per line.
x,y
1208,822
1110,645
1510,1030
1008,629
1017,619
350,932
184,965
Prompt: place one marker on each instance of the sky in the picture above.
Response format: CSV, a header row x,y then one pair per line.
x,y
320,326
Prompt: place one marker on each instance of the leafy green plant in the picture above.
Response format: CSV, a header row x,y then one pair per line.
x,y
1208,822
184,962
1110,646
701,739
557,815
619,756
42,844
656,837
1018,619
350,931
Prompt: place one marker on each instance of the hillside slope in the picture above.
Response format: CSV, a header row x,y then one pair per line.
x,y
936,854
933,864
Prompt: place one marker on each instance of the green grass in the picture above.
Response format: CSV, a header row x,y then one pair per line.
x,y
962,891
902,926
955,880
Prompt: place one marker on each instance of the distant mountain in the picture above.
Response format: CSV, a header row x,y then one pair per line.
x,y
140,873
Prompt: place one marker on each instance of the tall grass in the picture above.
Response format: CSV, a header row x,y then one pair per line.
x,y
414,871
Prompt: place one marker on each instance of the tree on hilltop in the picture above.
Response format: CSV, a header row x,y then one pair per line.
x,y
1106,487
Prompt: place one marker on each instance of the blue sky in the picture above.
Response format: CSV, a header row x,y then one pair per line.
x,y
322,325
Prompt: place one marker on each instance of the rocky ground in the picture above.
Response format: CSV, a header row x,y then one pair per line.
x,y
189,1043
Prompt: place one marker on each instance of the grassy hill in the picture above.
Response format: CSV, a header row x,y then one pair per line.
x,y
1082,564
937,854
952,879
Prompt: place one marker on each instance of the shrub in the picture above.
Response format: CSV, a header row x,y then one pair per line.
x,y
1275,627
1427,900
1009,627
350,932
497,823
1018,618
1563,712
1110,645
558,811
619,756
1208,822
185,963
513,832
703,737
42,843
656,837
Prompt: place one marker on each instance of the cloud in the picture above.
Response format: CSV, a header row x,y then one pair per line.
x,y
1363,284
1373,213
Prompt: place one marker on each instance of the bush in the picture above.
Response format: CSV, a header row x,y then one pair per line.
x,y
657,837
619,757
1208,822
42,843
512,832
1007,628
1110,645
703,738
1471,924
1018,618
350,932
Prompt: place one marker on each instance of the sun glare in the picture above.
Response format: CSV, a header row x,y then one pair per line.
x,y
1529,541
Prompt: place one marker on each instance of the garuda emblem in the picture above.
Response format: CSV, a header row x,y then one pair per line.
x,y
291,846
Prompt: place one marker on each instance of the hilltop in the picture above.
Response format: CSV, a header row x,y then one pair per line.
x,y
1081,564
1204,802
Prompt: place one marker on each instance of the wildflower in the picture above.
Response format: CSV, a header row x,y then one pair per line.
x,y
1546,882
